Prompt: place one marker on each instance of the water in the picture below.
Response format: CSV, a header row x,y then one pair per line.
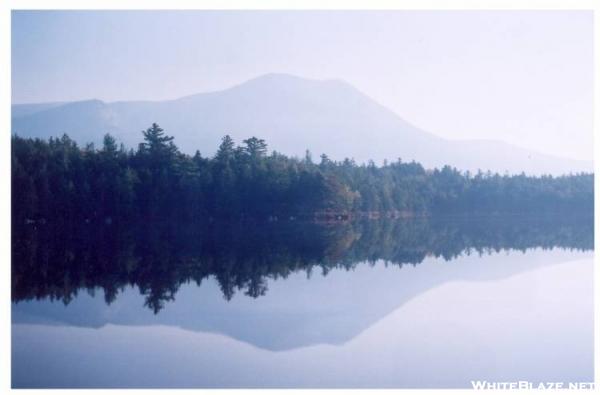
x,y
428,303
